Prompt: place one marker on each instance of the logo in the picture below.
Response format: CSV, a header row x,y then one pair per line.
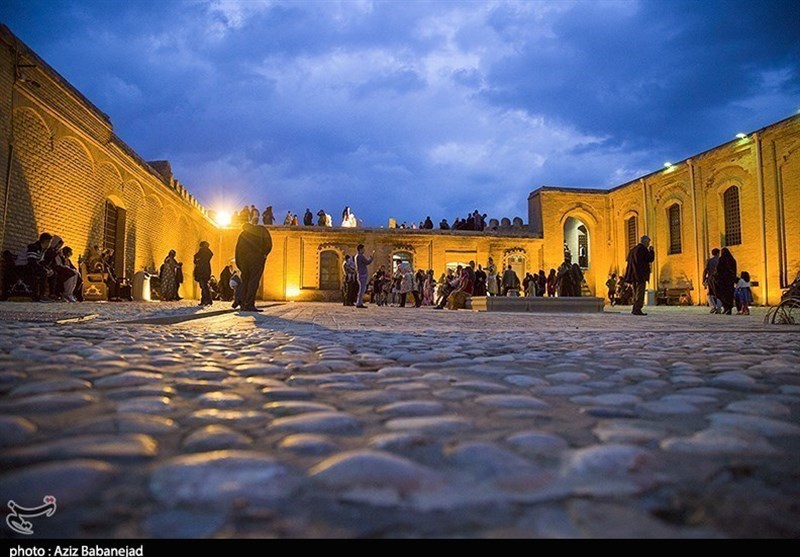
x,y
16,518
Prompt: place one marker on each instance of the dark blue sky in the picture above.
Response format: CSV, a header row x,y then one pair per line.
x,y
412,108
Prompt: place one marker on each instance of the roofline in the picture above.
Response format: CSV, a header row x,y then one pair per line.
x,y
651,174
19,45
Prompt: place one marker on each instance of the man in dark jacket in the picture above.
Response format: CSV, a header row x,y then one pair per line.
x,y
637,272
252,249
308,218
37,269
202,272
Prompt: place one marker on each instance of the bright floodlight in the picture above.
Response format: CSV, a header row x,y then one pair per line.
x,y
667,165
741,135
223,218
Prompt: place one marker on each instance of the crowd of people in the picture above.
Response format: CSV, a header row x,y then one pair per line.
x,y
52,275
452,288
251,214
725,288
47,265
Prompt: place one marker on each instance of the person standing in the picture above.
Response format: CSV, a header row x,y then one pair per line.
x,y
254,214
492,286
267,217
637,272
550,284
708,281
611,286
564,286
744,295
378,281
510,281
362,273
480,282
725,279
405,276
252,248
202,272
350,286
308,218
170,277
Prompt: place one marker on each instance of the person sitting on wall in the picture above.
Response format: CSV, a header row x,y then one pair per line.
x,y
67,276
38,272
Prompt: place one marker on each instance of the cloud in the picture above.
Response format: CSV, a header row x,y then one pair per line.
x,y
416,108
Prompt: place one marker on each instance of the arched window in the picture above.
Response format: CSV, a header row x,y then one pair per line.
x,y
632,232
674,219
329,270
733,221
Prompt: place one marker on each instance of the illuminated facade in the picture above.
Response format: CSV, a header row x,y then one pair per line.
x,y
65,171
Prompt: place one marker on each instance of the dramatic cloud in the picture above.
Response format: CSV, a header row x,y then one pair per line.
x,y
409,109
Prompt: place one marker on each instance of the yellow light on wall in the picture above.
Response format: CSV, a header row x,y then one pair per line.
x,y
222,218
292,292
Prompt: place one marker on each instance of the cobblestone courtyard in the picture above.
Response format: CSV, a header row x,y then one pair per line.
x,y
151,420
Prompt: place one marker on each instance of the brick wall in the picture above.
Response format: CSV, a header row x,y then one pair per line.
x,y
66,164
765,167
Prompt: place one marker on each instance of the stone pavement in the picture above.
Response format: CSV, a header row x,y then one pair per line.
x,y
311,420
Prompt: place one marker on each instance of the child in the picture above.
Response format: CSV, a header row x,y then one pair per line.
x,y
611,285
235,282
744,297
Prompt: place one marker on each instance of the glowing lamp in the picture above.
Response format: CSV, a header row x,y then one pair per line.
x,y
741,136
223,218
668,165
292,292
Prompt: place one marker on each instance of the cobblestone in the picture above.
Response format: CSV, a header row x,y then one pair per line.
x,y
317,420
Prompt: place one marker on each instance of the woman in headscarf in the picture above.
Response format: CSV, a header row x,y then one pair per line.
x,y
408,284
725,280
202,272
169,277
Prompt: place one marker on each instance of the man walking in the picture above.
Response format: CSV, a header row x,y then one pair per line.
x,y
252,249
362,272
637,272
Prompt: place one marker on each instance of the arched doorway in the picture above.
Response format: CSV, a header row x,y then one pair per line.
x,y
576,242
400,256
517,262
114,216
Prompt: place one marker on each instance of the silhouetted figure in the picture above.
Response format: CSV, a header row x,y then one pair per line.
x,y
252,249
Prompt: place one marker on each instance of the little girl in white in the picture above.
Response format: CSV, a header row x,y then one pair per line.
x,y
743,294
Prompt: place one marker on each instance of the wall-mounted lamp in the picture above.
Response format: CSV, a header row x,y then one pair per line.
x,y
741,136
22,78
668,165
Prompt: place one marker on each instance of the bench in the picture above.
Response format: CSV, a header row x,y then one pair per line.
x,y
674,296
